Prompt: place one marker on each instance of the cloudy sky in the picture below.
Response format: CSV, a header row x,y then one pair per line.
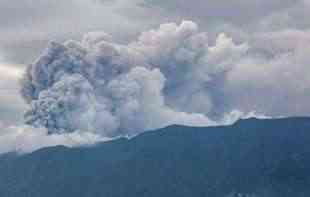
x,y
253,56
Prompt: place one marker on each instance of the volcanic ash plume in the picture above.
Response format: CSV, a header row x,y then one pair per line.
x,y
111,89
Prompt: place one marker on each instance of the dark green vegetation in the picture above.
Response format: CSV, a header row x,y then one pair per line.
x,y
254,157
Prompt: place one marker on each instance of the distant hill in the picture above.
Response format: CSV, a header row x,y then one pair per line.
x,y
263,158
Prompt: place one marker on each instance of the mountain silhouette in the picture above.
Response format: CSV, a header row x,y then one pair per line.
x,y
251,158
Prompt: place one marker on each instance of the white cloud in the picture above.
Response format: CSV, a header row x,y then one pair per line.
x,y
10,71
11,104
25,139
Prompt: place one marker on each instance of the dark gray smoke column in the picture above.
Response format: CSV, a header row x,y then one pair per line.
x,y
100,86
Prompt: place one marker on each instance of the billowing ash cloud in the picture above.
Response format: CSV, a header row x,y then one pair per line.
x,y
100,86
170,75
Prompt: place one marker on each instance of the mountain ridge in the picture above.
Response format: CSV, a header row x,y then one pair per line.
x,y
269,157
